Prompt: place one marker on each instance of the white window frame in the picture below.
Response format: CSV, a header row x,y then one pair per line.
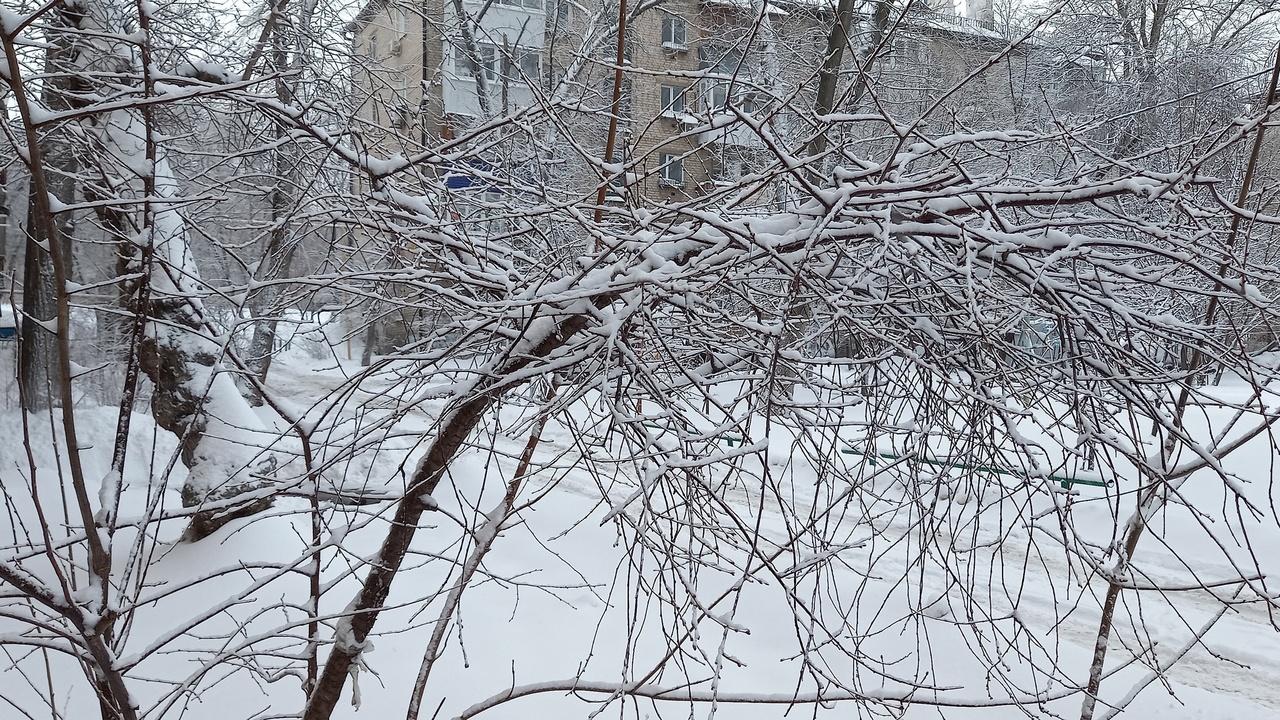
x,y
373,46
463,62
675,33
525,73
719,99
673,100
671,172
732,170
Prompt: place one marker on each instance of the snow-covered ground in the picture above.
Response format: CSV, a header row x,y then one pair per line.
x,y
874,576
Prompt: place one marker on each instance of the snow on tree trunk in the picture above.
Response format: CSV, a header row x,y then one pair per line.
x,y
223,443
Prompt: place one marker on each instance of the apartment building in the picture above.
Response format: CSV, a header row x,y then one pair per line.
x,y
710,86
712,92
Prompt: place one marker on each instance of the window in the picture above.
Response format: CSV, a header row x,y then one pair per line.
x,y
672,171
733,168
401,114
400,117
472,65
520,65
558,11
530,4
373,46
719,97
672,100
617,189
530,64
399,29
721,60
673,33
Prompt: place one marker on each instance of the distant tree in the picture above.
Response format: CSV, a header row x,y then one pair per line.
x,y
1154,75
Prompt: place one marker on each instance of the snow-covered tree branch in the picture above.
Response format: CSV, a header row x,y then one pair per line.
x,y
929,376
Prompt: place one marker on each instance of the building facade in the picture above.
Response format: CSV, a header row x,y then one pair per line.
x,y
713,90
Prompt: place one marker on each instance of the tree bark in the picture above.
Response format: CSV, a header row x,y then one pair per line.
x,y
282,241
40,382
454,427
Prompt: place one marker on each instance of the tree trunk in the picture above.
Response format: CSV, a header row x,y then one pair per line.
x,y
282,242
276,259
224,445
37,365
40,383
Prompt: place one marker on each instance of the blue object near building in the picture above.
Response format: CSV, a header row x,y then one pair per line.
x,y
470,174
8,322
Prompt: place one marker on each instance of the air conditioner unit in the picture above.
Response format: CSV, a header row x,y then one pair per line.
x,y
395,47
